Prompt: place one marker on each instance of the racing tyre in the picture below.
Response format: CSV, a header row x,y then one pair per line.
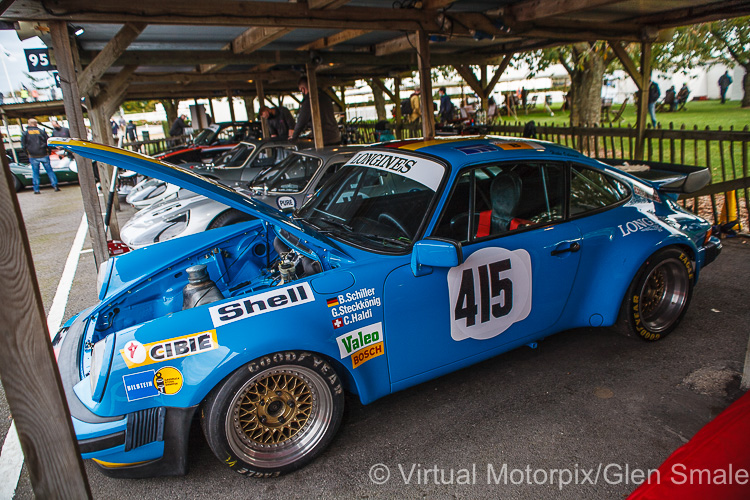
x,y
17,184
275,414
659,295
228,218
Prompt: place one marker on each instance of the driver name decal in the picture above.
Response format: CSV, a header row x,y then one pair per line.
x,y
489,292
426,172
254,305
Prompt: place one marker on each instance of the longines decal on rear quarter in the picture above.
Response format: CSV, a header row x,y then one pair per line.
x,y
489,292
278,298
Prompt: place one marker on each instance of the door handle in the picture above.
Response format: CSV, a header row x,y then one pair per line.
x,y
574,247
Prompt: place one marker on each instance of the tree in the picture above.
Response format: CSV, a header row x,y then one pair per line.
x,y
379,98
586,64
721,42
170,107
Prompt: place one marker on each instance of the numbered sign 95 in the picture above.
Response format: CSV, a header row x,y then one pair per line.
x,y
38,60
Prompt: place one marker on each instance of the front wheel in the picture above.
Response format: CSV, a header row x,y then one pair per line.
x,y
275,414
659,295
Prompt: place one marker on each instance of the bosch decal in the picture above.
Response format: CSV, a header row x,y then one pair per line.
x,y
357,340
255,305
136,354
489,292
642,224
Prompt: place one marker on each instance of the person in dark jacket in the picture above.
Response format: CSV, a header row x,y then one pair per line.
x,y
34,141
280,121
446,106
724,82
331,133
653,95
178,127
131,131
59,130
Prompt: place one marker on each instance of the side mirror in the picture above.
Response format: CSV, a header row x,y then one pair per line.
x,y
435,252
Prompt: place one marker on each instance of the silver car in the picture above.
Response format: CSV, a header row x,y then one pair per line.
x,y
285,186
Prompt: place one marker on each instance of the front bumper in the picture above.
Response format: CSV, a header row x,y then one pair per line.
x,y
711,250
145,443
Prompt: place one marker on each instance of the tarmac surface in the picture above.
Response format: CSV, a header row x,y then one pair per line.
x,y
589,405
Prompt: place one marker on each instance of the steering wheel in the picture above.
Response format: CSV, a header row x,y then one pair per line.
x,y
389,219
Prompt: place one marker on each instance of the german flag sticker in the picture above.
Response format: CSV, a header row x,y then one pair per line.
x,y
332,302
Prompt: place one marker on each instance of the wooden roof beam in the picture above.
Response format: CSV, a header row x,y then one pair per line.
x,y
108,55
538,9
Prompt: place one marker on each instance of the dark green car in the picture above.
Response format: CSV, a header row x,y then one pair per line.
x,y
65,170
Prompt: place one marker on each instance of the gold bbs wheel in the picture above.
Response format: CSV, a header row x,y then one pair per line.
x,y
275,414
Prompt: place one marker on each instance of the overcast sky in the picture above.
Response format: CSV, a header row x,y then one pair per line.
x,y
15,69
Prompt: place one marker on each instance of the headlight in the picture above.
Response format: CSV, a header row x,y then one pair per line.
x,y
177,225
101,357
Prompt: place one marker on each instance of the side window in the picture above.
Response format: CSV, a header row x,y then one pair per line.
x,y
330,170
591,190
506,198
266,157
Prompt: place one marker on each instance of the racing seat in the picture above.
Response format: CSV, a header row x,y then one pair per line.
x,y
505,193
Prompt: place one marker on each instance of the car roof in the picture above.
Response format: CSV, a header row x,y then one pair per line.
x,y
330,151
460,150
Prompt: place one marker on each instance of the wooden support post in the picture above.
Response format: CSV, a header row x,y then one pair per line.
x,y
317,125
28,369
230,100
74,112
342,91
102,133
261,103
397,102
640,125
483,82
425,85
249,107
211,109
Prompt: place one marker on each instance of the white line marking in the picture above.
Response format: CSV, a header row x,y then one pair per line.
x,y
11,463
11,457
88,250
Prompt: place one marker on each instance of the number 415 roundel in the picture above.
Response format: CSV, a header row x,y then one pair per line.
x,y
489,292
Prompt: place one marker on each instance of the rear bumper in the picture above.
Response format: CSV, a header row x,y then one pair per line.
x,y
711,250
145,443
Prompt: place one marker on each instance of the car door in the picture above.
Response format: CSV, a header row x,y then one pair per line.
x,y
520,261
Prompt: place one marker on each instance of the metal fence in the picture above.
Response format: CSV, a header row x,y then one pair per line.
x,y
724,152
156,146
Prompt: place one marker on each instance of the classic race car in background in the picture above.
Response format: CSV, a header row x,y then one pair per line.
x,y
284,186
415,259
213,141
65,170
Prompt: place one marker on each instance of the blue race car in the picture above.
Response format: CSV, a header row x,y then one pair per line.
x,y
414,260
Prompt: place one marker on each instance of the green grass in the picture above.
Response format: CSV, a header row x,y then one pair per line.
x,y
704,114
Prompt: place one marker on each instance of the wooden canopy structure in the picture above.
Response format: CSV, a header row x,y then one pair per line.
x,y
146,49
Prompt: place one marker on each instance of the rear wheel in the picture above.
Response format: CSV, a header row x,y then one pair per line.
x,y
18,185
659,295
275,414
228,218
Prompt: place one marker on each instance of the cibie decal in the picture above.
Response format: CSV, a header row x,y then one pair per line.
x,y
426,172
168,380
255,305
489,292
362,344
136,354
139,385
642,224
286,202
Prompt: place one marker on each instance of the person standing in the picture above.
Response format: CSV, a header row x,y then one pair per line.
x,y
331,133
724,82
280,120
416,106
178,127
653,96
682,95
446,106
59,130
34,141
131,132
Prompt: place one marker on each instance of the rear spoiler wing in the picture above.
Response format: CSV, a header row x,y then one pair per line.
x,y
666,177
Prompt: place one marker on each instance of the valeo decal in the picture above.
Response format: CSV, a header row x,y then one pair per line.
x,y
136,354
362,344
489,292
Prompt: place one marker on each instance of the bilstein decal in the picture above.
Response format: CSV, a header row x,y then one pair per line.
x,y
254,305
425,172
136,354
